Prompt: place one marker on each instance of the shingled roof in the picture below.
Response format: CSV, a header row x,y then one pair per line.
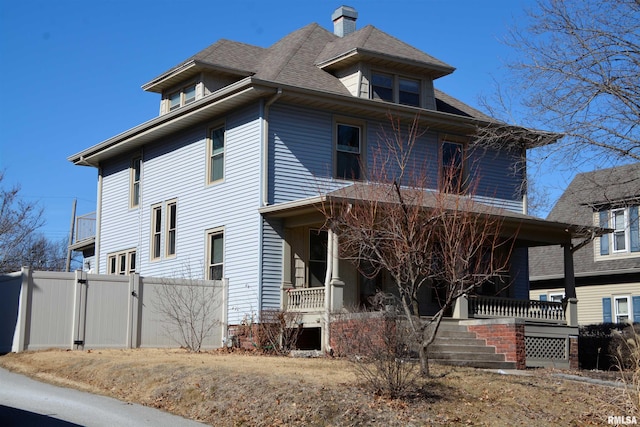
x,y
587,193
304,58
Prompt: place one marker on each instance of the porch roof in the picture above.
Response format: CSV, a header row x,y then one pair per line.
x,y
530,230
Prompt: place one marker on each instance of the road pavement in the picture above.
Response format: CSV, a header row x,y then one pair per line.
x,y
25,403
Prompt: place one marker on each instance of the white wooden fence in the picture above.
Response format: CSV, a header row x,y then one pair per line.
x,y
40,309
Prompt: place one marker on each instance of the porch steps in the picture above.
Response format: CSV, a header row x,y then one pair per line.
x,y
455,345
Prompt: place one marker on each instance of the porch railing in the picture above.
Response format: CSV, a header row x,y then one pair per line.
x,y
305,299
545,311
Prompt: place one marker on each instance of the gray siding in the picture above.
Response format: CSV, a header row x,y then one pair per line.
x,y
175,169
300,153
498,176
272,236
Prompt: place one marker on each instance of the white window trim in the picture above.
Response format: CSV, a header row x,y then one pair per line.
x,y
613,254
615,313
625,230
210,154
551,295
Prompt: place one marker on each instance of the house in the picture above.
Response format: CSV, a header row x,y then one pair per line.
x,y
607,268
225,181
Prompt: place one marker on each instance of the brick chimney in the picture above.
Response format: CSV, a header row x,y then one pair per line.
x,y
344,20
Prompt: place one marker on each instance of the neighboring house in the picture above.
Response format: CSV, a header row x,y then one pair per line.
x,y
607,269
224,182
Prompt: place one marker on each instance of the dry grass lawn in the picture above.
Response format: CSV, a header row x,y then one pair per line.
x,y
240,389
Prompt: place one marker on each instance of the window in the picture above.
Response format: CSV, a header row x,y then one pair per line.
x,y
621,307
625,237
156,231
215,257
317,257
409,92
172,211
182,97
391,88
556,297
134,190
216,154
122,262
348,149
452,163
382,87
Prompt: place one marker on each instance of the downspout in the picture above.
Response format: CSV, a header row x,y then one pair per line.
x,y
264,180
265,147
97,254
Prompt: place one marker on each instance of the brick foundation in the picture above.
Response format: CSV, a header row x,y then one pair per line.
x,y
506,335
361,333
573,353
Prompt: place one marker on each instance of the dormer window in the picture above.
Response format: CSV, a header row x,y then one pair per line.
x,y
182,97
391,88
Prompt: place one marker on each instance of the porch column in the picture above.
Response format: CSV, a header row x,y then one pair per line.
x,y
337,285
286,269
569,277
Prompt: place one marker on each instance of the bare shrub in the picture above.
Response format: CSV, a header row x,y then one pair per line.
x,y
627,350
279,330
190,310
378,344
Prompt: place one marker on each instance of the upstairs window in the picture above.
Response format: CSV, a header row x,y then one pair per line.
x,y
172,222
134,187
409,92
348,150
184,96
382,87
452,167
156,231
625,237
392,88
216,154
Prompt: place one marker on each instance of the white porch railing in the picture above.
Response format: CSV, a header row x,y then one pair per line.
x,y
305,299
486,307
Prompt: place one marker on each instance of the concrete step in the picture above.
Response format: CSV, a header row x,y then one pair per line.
x,y
472,357
485,364
458,341
460,348
455,334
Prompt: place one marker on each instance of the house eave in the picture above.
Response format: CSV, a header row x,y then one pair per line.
x,y
617,272
227,98
363,55
186,71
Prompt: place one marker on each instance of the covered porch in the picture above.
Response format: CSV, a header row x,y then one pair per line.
x,y
317,285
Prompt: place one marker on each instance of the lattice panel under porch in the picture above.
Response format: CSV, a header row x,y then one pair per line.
x,y
545,348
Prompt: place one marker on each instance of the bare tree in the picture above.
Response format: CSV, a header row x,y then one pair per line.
x,y
190,309
421,238
18,222
577,73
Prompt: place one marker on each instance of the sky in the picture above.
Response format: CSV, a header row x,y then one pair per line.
x,y
72,70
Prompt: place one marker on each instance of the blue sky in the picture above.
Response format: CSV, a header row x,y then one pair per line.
x,y
72,69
